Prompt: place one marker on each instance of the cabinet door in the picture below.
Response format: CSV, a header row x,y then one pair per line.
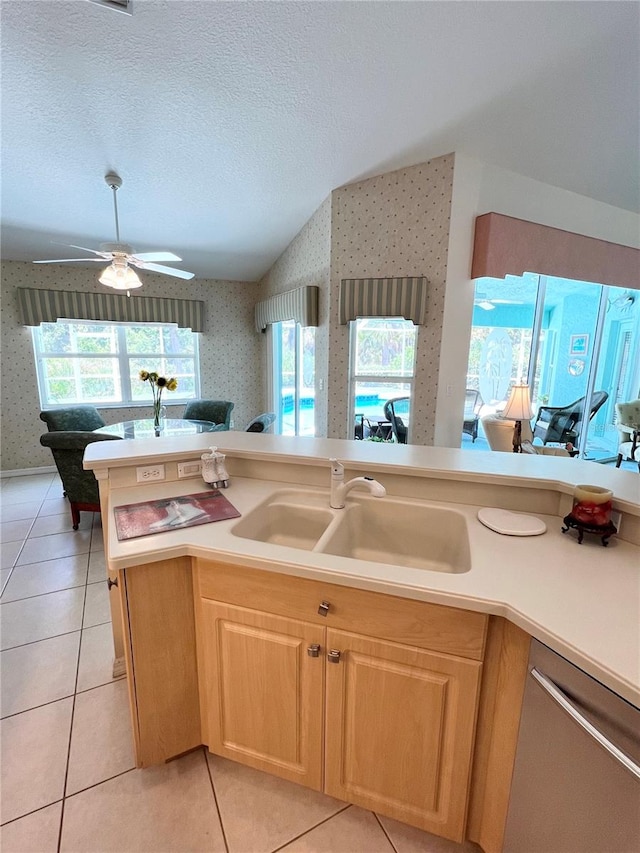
x,y
159,630
399,731
262,692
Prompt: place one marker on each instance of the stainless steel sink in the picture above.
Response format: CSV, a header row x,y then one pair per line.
x,y
378,530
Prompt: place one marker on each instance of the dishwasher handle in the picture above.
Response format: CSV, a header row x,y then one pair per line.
x,y
561,698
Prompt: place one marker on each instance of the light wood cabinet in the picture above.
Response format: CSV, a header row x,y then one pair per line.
x,y
218,654
262,693
159,647
399,720
400,725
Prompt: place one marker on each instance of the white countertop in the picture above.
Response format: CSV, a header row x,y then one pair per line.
x,y
582,600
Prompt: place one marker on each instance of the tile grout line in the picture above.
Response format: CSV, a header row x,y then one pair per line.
x,y
24,540
388,837
51,591
52,637
73,713
28,814
215,799
311,828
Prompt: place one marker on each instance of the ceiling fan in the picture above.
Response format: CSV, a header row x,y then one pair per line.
x,y
119,274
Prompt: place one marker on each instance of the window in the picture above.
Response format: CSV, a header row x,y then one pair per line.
x,y
568,339
294,377
383,354
99,363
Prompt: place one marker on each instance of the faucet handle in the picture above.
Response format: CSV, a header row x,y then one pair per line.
x,y
337,469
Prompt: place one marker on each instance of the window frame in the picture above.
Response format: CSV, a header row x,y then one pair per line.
x,y
275,373
381,379
122,358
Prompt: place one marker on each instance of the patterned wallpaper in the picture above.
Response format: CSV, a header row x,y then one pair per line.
x,y
230,342
305,261
396,224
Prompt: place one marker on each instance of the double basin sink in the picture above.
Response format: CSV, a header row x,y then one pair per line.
x,y
380,530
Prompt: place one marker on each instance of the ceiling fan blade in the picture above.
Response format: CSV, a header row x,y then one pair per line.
x,y
74,261
106,255
155,256
162,269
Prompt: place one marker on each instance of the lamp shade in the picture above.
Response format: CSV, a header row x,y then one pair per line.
x,y
518,406
120,277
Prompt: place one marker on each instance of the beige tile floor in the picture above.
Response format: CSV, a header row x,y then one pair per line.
x,y
68,777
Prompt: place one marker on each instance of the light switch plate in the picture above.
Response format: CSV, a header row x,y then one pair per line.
x,y
192,468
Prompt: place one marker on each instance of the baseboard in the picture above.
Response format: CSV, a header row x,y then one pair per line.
x,y
23,472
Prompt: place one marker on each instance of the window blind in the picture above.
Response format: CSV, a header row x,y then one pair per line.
x,y
384,297
300,305
47,306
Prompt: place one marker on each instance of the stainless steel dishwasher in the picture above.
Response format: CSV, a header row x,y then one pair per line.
x,y
576,783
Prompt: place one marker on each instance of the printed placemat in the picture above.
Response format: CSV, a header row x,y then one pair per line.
x,y
165,514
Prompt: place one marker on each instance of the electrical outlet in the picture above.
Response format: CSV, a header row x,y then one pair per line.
x,y
189,469
150,473
616,519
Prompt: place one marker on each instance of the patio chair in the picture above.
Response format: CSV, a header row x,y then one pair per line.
x,y
628,426
363,427
472,404
215,411
80,486
261,423
564,423
83,418
393,409
499,434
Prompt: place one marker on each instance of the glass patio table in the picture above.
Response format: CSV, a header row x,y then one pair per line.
x,y
144,428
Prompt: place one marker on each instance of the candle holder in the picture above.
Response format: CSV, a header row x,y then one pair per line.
x,y
591,513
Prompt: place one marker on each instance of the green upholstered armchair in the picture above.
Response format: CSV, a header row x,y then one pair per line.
x,y
85,418
80,486
261,423
216,411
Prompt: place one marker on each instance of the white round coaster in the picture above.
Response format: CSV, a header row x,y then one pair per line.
x,y
511,523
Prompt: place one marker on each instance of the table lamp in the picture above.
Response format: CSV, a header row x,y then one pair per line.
x,y
518,409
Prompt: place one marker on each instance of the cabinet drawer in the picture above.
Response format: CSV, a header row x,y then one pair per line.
x,y
417,623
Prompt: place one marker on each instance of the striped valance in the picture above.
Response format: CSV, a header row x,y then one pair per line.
x,y
46,306
384,297
300,305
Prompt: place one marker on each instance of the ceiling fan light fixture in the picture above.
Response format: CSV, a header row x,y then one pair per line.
x,y
120,277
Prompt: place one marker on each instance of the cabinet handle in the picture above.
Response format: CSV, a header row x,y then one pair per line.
x,y
314,650
323,609
333,656
111,583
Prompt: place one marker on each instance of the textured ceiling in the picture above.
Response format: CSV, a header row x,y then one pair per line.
x,y
230,122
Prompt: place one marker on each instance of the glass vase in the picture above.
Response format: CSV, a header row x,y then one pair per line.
x,y
158,414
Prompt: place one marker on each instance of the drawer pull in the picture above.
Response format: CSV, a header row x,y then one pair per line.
x,y
111,583
313,650
323,609
333,656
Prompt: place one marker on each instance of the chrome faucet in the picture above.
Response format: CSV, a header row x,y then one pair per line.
x,y
340,489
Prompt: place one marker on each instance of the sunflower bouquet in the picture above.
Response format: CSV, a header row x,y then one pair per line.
x,y
158,384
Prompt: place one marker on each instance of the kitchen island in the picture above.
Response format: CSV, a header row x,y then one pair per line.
x,y
189,591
